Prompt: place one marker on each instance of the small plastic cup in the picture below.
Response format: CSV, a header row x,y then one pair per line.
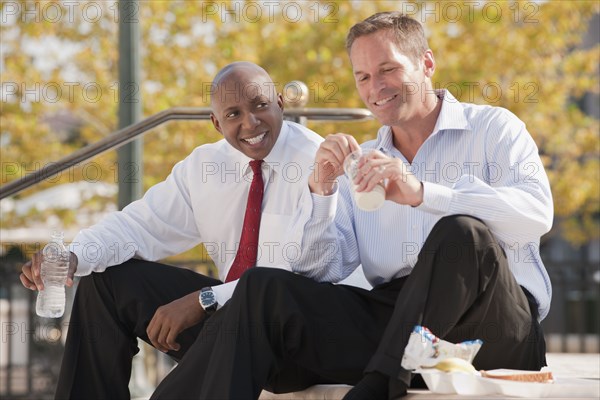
x,y
366,201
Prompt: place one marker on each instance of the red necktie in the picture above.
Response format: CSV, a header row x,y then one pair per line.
x,y
247,252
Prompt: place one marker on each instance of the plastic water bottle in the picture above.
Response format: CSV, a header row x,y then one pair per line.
x,y
54,269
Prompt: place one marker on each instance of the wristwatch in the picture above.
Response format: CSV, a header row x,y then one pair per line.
x,y
207,300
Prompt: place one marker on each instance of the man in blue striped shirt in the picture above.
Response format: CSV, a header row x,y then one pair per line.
x,y
455,246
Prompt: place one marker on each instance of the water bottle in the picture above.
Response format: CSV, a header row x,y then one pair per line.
x,y
54,269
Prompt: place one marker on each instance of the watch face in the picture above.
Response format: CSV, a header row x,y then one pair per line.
x,y
207,298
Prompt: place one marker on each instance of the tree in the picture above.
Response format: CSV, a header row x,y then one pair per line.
x,y
523,56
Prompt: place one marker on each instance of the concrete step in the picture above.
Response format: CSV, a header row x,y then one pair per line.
x,y
563,365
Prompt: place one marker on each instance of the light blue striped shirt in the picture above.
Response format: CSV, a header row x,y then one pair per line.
x,y
478,161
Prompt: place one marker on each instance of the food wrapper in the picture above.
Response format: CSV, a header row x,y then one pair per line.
x,y
424,349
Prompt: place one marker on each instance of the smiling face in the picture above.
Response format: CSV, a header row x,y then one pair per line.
x,y
247,110
392,86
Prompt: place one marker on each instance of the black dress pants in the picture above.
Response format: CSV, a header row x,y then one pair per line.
x,y
111,310
461,288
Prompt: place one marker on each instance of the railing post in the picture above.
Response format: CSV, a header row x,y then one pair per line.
x,y
129,156
295,95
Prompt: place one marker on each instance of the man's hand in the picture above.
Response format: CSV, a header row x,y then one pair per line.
x,y
30,272
329,162
402,187
173,318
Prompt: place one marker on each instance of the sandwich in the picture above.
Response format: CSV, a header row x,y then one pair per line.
x,y
519,375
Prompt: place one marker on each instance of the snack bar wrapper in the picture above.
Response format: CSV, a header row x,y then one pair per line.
x,y
424,349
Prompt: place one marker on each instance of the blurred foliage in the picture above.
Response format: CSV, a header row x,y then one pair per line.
x,y
524,56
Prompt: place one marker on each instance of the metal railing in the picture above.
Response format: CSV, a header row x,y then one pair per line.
x,y
126,135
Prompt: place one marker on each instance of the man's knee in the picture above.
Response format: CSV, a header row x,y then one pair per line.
x,y
463,231
460,225
123,274
457,239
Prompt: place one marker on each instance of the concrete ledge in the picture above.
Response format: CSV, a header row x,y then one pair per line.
x,y
317,392
564,365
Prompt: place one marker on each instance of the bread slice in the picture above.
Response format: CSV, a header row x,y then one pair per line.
x,y
519,375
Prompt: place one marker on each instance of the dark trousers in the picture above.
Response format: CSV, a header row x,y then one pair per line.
x,y
461,288
111,310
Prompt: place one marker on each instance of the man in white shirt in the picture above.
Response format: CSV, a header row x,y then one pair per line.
x,y
455,247
124,294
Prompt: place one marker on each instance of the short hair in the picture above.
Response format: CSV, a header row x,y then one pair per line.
x,y
407,33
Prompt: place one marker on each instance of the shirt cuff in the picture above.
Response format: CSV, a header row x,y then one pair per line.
x,y
324,206
83,268
436,198
224,292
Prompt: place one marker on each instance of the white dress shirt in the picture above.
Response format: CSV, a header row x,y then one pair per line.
x,y
203,200
478,161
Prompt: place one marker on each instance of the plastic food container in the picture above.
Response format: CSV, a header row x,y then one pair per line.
x,y
474,385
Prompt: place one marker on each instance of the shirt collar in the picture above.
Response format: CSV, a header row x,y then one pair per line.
x,y
452,117
384,139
